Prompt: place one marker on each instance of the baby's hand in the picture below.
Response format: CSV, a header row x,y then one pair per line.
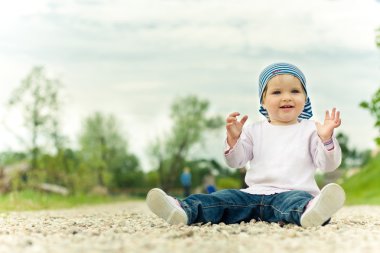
x,y
234,127
332,121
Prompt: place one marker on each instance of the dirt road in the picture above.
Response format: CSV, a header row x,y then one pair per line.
x,y
130,227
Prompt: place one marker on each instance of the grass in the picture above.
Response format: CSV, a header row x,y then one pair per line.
x,y
364,187
361,189
33,200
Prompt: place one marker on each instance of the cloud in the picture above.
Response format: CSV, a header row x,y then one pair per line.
x,y
134,27
132,58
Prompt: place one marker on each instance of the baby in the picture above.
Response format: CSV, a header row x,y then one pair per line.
x,y
284,151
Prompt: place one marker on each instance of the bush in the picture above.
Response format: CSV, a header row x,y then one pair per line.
x,y
363,187
227,183
151,179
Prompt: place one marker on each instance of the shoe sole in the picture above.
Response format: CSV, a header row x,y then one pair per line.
x,y
330,200
158,202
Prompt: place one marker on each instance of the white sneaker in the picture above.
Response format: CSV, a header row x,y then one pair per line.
x,y
165,207
323,206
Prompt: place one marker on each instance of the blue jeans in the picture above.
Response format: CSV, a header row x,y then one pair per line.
x,y
234,206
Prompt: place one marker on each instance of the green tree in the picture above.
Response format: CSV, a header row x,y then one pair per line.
x,y
346,152
190,122
39,98
61,168
104,151
9,157
351,157
373,106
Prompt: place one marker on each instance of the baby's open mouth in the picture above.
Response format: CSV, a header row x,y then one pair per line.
x,y
286,106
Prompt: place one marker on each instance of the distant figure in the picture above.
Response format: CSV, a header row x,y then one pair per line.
x,y
186,181
209,183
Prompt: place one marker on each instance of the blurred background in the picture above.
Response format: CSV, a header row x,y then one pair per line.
x,y
112,98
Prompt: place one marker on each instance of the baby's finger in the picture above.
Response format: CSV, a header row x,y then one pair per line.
x,y
231,119
333,113
337,118
234,114
327,115
338,123
244,119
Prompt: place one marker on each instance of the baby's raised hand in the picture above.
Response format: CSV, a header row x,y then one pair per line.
x,y
331,121
234,127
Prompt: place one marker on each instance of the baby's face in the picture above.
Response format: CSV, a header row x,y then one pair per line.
x,y
284,99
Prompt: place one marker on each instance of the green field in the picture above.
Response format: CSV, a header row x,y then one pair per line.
x,y
34,200
364,187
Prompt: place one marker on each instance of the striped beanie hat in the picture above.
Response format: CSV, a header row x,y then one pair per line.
x,y
280,69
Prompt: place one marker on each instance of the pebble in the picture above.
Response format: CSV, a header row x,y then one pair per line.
x,y
130,227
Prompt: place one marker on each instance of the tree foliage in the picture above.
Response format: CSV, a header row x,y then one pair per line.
x,y
190,122
373,106
39,99
61,169
351,157
104,152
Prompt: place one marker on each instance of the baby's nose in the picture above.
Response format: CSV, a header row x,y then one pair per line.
x,y
286,97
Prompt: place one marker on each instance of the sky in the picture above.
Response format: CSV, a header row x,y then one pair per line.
x,y
133,58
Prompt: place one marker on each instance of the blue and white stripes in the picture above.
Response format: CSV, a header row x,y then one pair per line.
x,y
280,69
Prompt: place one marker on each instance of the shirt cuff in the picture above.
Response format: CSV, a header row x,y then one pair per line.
x,y
329,144
227,148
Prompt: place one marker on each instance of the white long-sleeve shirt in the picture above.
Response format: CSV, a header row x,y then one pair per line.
x,y
282,158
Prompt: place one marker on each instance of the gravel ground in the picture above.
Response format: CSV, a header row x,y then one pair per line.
x,y
130,227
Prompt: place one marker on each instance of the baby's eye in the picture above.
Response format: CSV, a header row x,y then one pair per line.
x,y
295,91
276,92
